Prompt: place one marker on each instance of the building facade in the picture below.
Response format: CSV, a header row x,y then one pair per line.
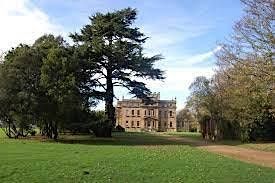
x,y
135,115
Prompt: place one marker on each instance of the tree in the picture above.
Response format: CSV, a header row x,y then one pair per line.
x,y
58,80
201,102
38,86
238,99
246,68
64,106
186,120
111,55
19,80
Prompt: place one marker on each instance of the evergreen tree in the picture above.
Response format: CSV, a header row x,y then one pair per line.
x,y
111,55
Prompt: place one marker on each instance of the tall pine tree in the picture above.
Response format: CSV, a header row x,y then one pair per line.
x,y
111,53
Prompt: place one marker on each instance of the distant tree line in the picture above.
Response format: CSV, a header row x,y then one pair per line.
x,y
238,101
53,85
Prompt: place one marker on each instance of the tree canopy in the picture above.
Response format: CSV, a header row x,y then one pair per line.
x,y
111,50
238,99
53,85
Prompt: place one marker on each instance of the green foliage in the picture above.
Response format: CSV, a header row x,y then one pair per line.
x,y
33,132
19,88
111,53
53,85
119,129
238,99
37,86
187,121
263,128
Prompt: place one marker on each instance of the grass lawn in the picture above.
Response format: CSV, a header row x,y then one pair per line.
x,y
193,135
128,157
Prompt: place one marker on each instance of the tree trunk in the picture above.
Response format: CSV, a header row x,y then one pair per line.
x,y
55,131
9,130
109,108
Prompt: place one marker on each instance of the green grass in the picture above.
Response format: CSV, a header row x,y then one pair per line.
x,y
128,157
2,135
193,135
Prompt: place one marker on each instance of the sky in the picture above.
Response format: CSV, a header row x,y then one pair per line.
x,y
185,32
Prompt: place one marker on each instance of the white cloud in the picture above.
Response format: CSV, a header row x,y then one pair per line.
x,y
165,35
178,78
190,60
181,74
201,57
177,82
23,22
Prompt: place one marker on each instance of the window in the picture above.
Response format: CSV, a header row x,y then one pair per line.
x,y
171,124
153,112
127,124
149,112
138,124
165,124
144,112
138,112
171,113
149,124
132,124
133,112
127,113
153,123
160,113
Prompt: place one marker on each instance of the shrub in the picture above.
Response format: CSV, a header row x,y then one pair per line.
x,y
33,132
102,127
263,127
119,128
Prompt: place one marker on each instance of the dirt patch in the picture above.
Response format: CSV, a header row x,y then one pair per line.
x,y
258,157
248,155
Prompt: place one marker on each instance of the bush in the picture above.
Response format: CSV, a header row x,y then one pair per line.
x,y
119,128
100,125
263,127
82,127
102,128
33,132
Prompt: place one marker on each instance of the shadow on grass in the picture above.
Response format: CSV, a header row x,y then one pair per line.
x,y
129,139
135,139
143,138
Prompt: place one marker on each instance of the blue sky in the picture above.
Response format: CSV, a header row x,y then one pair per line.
x,y
185,32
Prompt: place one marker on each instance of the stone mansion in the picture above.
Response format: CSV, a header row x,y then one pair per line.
x,y
135,115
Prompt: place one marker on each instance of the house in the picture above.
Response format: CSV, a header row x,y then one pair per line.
x,y
135,115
